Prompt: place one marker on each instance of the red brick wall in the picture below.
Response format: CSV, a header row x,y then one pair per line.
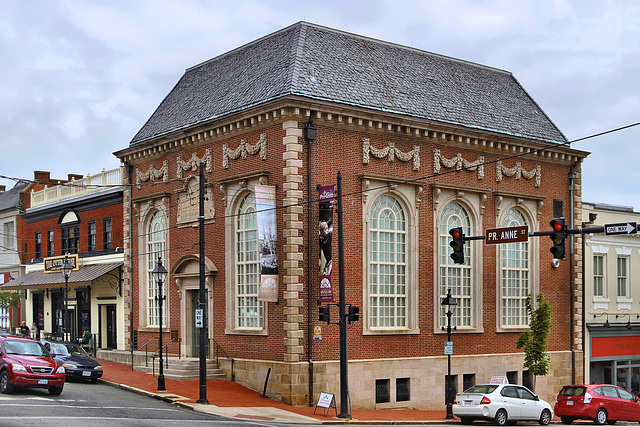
x,y
339,148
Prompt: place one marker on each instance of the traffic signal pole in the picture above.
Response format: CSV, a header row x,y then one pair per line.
x,y
344,378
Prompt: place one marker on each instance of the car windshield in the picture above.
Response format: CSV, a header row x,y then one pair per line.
x,y
572,391
68,350
24,348
483,389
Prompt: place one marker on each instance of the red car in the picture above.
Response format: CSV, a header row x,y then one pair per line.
x,y
602,403
26,363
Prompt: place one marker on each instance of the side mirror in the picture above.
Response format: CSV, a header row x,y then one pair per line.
x,y
536,398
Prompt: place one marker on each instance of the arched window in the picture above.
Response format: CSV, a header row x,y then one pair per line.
x,y
156,245
387,264
515,275
456,277
249,311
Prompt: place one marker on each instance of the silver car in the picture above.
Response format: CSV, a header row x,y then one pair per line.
x,y
502,404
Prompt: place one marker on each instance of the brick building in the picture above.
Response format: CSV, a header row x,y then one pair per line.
x,y
78,219
424,143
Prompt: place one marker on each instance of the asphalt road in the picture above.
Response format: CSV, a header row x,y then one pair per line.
x,y
84,404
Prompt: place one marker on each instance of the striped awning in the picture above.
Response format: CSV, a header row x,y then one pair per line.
x,y
81,277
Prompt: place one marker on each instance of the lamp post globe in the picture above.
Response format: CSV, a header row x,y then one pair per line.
x,y
447,303
159,273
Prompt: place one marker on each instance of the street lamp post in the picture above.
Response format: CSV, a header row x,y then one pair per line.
x,y
448,302
66,271
159,272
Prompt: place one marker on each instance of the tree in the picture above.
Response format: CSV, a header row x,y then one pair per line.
x,y
10,299
534,339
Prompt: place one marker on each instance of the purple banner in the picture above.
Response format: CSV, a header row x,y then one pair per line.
x,y
325,229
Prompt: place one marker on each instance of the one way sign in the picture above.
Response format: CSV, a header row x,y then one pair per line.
x,y
620,228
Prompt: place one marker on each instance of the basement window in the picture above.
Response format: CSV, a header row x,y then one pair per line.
x,y
402,389
382,391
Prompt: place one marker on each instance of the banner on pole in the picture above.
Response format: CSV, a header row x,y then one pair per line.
x,y
325,234
267,242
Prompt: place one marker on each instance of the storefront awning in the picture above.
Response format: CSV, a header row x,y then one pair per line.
x,y
81,277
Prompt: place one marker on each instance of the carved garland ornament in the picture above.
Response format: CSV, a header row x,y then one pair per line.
x,y
152,174
458,162
390,152
243,149
519,172
194,162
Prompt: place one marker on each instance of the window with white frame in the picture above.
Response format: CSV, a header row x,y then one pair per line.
x,y
598,275
156,246
456,277
387,264
623,276
515,274
9,235
249,311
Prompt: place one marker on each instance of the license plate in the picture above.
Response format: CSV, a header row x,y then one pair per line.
x,y
43,382
569,402
86,373
468,402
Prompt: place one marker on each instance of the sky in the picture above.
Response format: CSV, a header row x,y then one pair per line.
x,y
79,78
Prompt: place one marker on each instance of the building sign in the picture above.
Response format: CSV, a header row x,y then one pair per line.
x,y
53,264
615,346
317,332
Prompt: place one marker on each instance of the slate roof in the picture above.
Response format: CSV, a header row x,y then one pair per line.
x,y
10,199
330,65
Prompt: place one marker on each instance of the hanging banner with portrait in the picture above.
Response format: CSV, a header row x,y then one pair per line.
x,y
325,229
267,242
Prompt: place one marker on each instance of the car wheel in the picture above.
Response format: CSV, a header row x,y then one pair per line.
x,y
566,420
466,420
601,416
545,418
5,383
500,418
55,391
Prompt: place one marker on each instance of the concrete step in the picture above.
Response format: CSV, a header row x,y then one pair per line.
x,y
183,369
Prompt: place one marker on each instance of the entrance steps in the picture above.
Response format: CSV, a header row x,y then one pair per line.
x,y
182,369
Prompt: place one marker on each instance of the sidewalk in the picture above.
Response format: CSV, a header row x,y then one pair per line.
x,y
231,400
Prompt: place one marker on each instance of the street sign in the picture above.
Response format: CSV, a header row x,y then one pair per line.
x,y
620,228
495,236
448,347
199,318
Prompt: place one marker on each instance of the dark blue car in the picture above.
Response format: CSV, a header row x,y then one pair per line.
x,y
77,363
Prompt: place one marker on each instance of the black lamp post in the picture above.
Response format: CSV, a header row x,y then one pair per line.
x,y
159,272
448,302
66,268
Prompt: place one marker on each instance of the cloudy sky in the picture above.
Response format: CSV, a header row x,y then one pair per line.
x,y
79,78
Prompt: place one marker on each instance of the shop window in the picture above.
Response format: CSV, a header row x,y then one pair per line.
x,y
402,389
382,391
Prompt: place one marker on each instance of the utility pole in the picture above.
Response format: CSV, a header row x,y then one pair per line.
x,y
344,362
202,298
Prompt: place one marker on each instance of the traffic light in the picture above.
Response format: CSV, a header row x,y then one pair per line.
x,y
325,313
557,237
352,314
457,244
